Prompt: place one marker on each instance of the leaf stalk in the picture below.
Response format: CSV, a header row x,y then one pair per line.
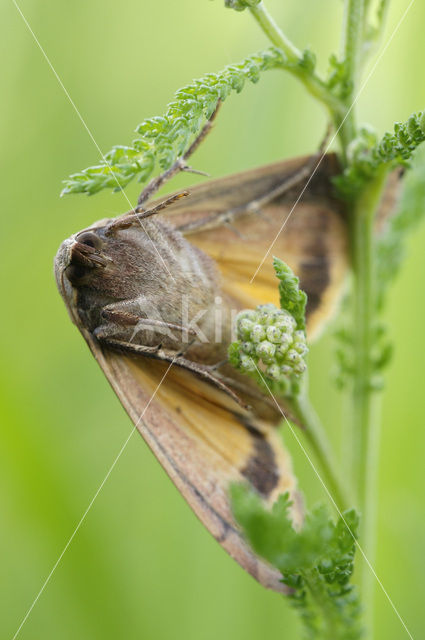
x,y
295,62
317,439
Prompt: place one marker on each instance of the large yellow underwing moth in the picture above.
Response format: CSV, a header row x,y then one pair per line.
x,y
150,291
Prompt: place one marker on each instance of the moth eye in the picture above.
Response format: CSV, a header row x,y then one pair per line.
x,y
90,239
75,273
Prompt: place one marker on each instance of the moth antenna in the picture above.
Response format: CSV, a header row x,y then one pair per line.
x,y
180,164
138,214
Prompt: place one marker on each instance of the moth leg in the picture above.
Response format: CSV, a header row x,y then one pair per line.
x,y
129,347
125,319
204,372
129,319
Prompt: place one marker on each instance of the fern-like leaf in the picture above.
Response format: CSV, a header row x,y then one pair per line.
x,y
292,298
316,562
164,138
368,158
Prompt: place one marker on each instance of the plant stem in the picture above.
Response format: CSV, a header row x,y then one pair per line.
x,y
365,423
274,33
363,311
324,605
353,34
314,84
364,323
352,45
316,436
370,512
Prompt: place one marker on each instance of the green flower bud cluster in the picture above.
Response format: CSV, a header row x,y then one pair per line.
x,y
269,339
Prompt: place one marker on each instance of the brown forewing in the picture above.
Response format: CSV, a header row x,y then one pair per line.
x,y
204,443
222,218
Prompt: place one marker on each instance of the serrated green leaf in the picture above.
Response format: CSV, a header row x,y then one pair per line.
x,y
163,138
292,298
316,561
395,149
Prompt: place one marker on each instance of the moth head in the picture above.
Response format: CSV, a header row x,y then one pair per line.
x,y
107,266
80,257
86,256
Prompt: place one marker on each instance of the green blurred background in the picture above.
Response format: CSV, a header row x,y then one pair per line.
x,y
141,566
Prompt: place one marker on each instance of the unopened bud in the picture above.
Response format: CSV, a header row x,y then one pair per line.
x,y
273,334
258,333
266,351
247,363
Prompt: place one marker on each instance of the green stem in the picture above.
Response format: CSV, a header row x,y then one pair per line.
x,y
274,33
353,35
316,437
363,218
370,507
314,84
352,46
365,425
324,605
363,311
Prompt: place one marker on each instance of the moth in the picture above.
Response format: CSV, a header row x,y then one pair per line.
x,y
154,293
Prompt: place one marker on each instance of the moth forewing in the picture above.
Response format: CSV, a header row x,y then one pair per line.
x,y
203,446
239,220
199,426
